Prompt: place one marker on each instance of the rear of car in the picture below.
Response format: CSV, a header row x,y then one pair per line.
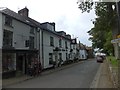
x,y
99,59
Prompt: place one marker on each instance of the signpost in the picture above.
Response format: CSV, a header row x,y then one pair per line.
x,y
115,40
118,36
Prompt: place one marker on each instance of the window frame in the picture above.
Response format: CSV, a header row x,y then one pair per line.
x,y
32,30
51,41
8,21
7,38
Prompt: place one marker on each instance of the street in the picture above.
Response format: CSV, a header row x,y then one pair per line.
x,y
78,76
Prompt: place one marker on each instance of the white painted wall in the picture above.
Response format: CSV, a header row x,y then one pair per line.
x,y
21,34
1,43
73,53
1,31
83,54
49,49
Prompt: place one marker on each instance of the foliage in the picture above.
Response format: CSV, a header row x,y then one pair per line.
x,y
86,6
101,33
113,61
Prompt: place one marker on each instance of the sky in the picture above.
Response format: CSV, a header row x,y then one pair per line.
x,y
65,13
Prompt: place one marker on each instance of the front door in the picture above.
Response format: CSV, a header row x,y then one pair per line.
x,y
21,63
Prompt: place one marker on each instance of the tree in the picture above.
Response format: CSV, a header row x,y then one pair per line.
x,y
101,34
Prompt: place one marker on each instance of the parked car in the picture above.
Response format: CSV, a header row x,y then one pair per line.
x,y
99,59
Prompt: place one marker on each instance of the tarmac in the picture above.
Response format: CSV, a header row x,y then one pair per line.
x,y
102,79
10,81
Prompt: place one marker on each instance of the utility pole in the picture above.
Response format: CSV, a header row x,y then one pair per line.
x,y
118,15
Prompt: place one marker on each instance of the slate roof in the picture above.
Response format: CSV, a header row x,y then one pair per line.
x,y
28,21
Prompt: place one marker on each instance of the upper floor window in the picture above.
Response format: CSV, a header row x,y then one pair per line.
x,y
60,42
27,43
51,41
32,30
7,38
73,46
66,44
31,42
8,20
66,56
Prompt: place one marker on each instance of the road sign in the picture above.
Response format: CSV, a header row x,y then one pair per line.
x,y
115,40
118,36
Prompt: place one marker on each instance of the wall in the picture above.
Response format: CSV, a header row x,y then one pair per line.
x,y
83,54
21,34
1,39
49,49
1,31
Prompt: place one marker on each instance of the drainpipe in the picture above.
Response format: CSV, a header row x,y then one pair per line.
x,y
42,49
38,30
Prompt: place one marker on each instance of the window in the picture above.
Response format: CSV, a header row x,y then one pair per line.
x,y
60,56
66,44
50,58
7,38
31,42
60,43
27,43
8,20
32,30
8,62
51,41
73,46
66,56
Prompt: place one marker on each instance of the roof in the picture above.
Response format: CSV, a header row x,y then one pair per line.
x,y
17,16
27,20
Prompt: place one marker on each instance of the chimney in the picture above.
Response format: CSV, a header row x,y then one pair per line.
x,y
24,12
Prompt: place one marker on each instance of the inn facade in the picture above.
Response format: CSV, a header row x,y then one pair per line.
x,y
23,39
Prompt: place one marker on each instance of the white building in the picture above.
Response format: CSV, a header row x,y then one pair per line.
x,y
56,46
23,39
83,52
18,41
74,50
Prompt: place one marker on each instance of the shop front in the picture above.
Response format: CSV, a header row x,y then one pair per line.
x,y
15,62
8,65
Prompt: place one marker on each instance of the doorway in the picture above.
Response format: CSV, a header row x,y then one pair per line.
x,y
21,63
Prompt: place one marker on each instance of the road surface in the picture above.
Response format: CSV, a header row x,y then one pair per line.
x,y
76,76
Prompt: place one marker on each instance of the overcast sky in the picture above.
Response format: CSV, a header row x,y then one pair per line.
x,y
64,13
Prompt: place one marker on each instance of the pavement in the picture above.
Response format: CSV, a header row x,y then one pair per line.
x,y
103,77
101,80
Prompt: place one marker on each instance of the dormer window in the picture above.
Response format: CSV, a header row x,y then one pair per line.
x,y
8,21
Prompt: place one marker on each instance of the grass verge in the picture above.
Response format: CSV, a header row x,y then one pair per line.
x,y
113,61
